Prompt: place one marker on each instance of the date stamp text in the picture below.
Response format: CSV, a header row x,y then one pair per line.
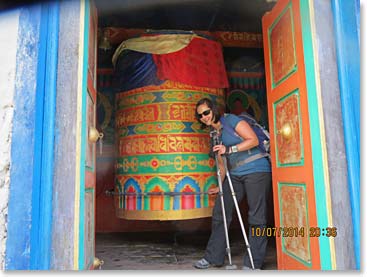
x,y
293,232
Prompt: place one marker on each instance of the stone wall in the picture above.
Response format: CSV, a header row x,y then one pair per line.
x,y
8,45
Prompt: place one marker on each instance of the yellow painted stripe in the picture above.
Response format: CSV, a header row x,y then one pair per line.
x,y
78,136
322,134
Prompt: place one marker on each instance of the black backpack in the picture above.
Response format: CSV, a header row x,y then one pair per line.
x,y
262,134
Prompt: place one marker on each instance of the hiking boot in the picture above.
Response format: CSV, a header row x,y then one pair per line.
x,y
202,264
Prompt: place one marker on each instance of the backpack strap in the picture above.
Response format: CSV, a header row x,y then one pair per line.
x,y
233,133
229,129
250,159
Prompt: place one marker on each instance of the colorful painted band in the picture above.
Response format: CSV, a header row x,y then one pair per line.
x,y
164,193
155,112
163,143
159,127
169,96
171,86
165,164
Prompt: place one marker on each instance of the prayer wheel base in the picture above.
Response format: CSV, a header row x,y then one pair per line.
x,y
165,215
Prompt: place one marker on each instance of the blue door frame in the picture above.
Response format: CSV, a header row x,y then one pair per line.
x,y
31,172
347,40
45,122
30,194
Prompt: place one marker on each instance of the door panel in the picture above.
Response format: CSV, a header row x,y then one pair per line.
x,y
92,135
292,169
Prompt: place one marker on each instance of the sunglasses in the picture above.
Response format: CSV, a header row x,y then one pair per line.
x,y
200,115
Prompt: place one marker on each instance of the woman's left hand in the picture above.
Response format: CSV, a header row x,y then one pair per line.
x,y
220,148
213,191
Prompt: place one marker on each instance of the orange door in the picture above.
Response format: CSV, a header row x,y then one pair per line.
x,y
292,168
91,134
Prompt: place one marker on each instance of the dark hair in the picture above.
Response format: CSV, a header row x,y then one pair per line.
x,y
211,106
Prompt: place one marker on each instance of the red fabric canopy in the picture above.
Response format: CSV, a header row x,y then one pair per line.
x,y
201,64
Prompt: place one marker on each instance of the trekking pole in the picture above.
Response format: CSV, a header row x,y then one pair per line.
x,y
238,212
228,249
214,136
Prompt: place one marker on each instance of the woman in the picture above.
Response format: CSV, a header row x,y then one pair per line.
x,y
252,179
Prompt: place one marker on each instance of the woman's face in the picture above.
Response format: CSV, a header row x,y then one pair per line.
x,y
205,114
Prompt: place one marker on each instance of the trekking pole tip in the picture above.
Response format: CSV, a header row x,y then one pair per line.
x,y
231,266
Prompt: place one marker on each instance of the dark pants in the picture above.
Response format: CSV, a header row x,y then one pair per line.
x,y
256,187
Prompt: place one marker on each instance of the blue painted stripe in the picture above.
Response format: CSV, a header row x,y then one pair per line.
x,y
346,14
38,135
46,107
17,254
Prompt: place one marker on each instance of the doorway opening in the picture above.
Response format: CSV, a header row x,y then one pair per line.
x,y
174,244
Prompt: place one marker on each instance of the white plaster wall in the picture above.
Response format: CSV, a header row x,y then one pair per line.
x,y
8,46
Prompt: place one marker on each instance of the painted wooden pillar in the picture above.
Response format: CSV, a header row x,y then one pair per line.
x,y
347,38
30,202
328,93
66,193
23,175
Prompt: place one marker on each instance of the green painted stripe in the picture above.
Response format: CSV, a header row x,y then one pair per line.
x,y
120,190
211,181
161,127
316,143
83,141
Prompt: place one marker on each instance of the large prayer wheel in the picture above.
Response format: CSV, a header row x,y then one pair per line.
x,y
163,168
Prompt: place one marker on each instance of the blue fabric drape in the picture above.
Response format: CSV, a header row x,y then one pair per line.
x,y
134,70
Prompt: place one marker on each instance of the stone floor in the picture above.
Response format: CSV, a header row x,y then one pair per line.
x,y
166,251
